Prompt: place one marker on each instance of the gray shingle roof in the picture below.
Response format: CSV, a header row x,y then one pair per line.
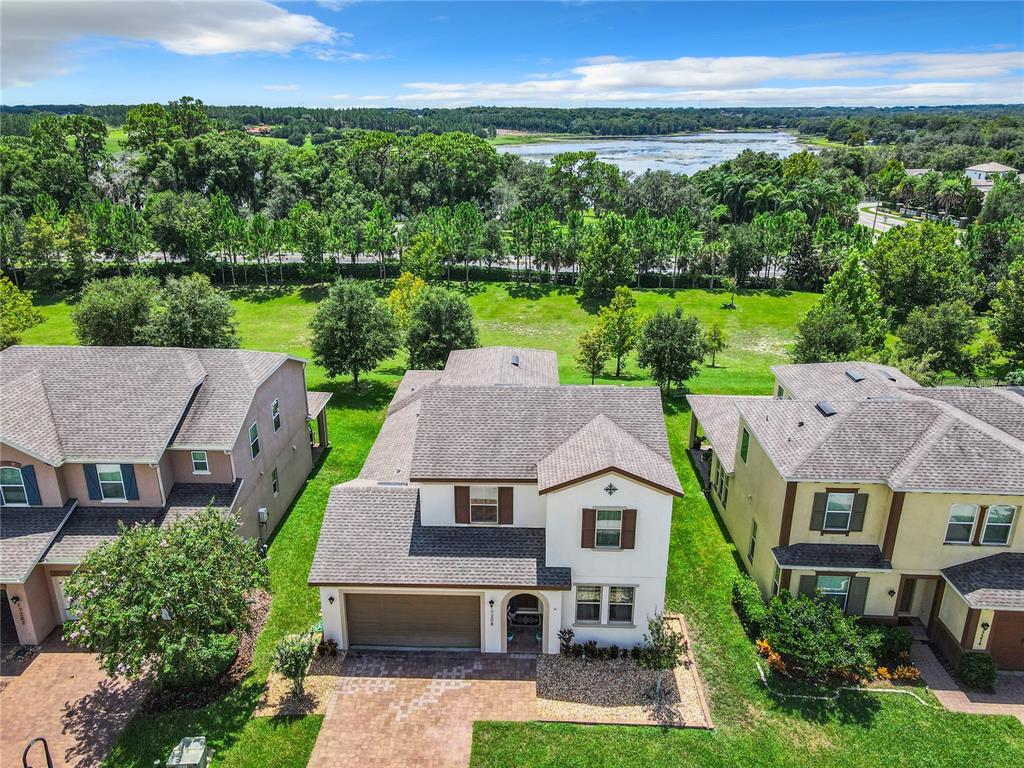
x,y
599,445
843,557
495,366
372,535
391,453
316,402
412,387
995,582
991,168
720,417
89,527
74,404
829,381
997,407
502,432
25,533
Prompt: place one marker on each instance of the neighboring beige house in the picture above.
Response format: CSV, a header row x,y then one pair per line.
x,y
898,502
983,175
90,436
498,507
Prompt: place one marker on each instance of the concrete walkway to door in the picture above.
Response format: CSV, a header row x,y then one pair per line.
x,y
399,709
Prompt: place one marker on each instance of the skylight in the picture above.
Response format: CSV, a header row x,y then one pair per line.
x,y
854,375
515,360
826,409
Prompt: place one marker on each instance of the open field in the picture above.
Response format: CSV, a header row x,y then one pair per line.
x,y
755,728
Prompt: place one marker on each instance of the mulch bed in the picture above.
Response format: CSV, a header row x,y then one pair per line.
x,y
167,700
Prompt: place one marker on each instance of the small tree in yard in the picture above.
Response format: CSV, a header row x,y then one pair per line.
x,y
167,602
190,312
352,330
715,340
662,650
671,347
441,320
620,324
292,657
593,352
17,314
115,312
403,296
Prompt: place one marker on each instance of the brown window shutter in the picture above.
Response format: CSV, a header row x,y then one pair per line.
x,y
818,511
857,595
860,503
505,516
808,583
461,503
589,528
628,528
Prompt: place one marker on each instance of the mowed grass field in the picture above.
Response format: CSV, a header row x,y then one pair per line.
x,y
754,727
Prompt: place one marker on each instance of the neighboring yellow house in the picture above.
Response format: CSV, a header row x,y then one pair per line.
x,y
900,503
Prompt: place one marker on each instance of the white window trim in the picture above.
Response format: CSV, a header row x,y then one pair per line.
x,y
743,457
752,543
974,526
631,604
206,461
275,481
777,579
24,490
275,414
846,594
598,527
497,519
254,441
849,513
1009,526
120,474
600,605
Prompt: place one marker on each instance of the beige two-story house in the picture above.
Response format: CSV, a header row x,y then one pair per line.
x,y
897,502
91,437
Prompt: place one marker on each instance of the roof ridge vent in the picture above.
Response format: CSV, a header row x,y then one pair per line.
x,y
826,409
854,375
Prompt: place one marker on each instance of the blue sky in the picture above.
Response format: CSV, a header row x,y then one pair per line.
x,y
336,53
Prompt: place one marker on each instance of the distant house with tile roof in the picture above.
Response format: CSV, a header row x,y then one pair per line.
x,y
497,507
900,503
91,437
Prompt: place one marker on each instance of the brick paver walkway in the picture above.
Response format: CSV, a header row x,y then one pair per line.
x,y
1007,700
65,697
403,709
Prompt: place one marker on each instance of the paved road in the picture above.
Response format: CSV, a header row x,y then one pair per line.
x,y
878,221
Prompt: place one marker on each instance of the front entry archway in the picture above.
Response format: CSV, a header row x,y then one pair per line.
x,y
525,623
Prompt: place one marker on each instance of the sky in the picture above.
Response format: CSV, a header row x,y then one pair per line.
x,y
435,54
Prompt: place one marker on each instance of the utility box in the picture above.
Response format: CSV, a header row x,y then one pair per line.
x,y
191,752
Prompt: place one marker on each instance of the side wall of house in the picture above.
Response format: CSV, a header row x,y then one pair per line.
x,y
181,467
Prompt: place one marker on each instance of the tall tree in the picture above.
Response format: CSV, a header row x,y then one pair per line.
x,y
606,261
1008,312
619,321
441,320
593,352
671,348
944,332
379,234
190,312
115,312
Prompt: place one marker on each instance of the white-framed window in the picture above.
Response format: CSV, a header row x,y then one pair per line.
x,y
776,580
834,589
111,482
838,510
620,605
483,504
588,605
275,414
274,484
780,393
721,483
960,526
998,525
254,440
608,534
752,547
200,463
12,487
744,445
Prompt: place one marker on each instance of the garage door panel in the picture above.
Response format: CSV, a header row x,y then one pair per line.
x,y
427,621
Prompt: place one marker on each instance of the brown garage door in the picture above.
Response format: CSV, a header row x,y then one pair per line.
x,y
1007,644
414,621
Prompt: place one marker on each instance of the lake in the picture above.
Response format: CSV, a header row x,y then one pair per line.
x,y
681,154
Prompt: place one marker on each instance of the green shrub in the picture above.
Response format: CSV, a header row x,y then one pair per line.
x,y
817,640
749,603
978,670
191,666
292,657
893,645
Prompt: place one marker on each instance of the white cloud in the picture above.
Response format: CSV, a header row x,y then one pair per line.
x,y
282,87
36,34
814,79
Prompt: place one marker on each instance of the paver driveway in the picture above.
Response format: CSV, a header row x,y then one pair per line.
x,y
64,696
401,709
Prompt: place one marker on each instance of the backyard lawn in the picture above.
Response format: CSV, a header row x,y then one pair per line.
x,y
754,728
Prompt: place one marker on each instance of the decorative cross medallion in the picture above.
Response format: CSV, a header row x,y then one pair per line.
x,y
610,489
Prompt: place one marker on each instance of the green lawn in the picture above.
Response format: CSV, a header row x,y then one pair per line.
x,y
754,728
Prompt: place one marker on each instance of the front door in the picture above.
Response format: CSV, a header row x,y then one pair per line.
x,y
64,607
907,599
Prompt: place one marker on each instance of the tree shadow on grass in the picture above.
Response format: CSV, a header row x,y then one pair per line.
x,y
534,291
847,708
313,293
257,294
372,395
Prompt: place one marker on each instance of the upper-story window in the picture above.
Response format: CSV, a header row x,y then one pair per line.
x,y
998,524
609,528
960,527
838,511
780,393
254,440
200,463
483,504
111,482
275,414
12,487
744,445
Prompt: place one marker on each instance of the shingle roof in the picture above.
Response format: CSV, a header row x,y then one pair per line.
x,y
500,366
25,533
502,432
843,557
316,402
89,527
412,387
991,168
998,407
720,417
995,582
391,453
829,381
600,445
372,535
74,404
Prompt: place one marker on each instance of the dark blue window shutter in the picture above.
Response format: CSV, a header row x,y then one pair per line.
x,y
131,488
28,477
92,482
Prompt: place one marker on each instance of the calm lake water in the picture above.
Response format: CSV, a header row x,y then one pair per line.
x,y
682,154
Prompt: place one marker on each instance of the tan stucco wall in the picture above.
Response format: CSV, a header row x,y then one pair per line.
x,y
875,514
35,615
180,464
50,491
145,477
953,613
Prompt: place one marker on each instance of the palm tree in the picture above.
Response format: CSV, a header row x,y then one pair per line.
x,y
950,194
764,196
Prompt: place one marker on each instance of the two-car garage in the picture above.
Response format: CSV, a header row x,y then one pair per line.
x,y
413,620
